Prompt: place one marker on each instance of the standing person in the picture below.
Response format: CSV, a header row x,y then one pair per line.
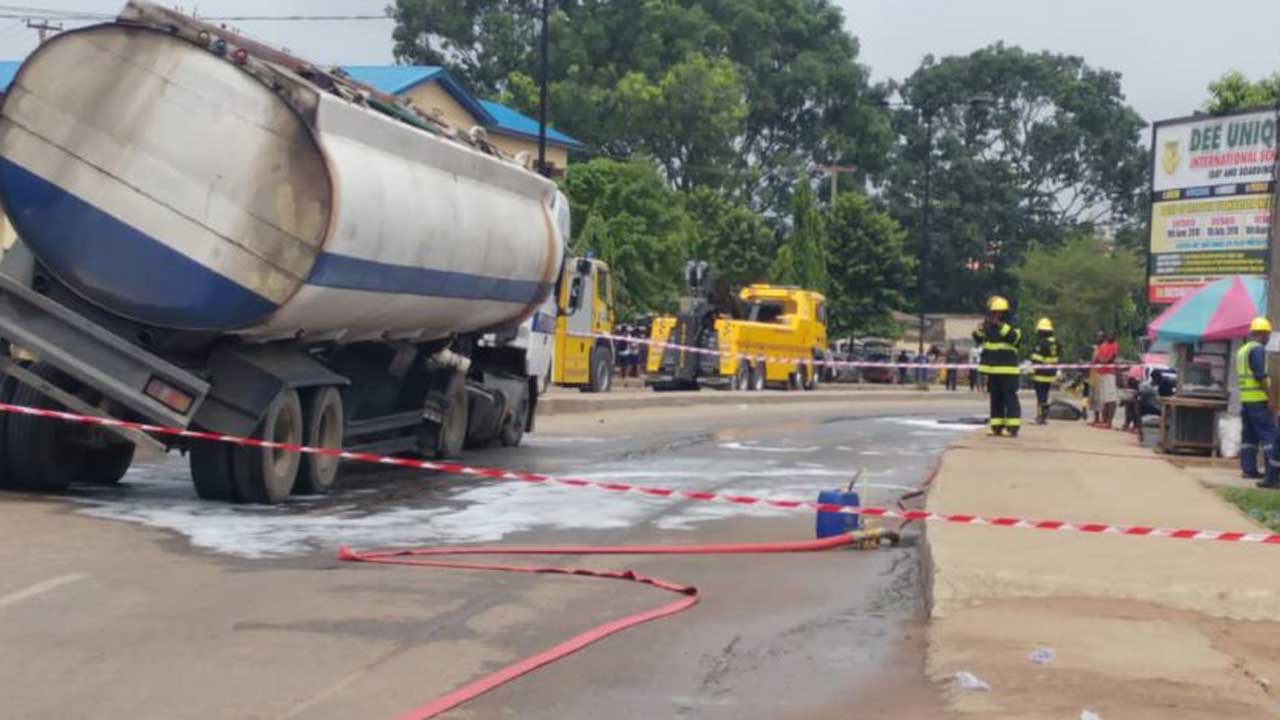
x,y
999,341
1046,352
975,375
1257,409
1095,403
953,370
903,361
1108,393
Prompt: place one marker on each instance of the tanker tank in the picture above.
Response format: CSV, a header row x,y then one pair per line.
x,y
187,188
215,234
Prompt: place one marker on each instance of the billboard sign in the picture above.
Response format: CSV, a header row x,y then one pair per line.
x,y
1212,180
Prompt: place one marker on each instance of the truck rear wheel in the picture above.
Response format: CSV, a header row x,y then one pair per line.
x,y
322,426
809,376
601,371
212,472
759,373
263,475
43,454
107,465
7,386
741,377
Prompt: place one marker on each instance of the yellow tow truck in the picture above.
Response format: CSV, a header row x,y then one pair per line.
x,y
778,336
581,357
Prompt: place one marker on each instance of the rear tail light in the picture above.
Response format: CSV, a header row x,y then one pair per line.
x,y
168,395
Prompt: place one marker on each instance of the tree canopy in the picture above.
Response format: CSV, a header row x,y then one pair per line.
x,y
1235,91
1084,285
1026,147
871,267
736,94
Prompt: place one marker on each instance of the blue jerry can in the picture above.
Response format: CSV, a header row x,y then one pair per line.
x,y
837,523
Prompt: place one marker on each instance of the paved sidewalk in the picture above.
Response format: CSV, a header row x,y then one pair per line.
x,y
1139,627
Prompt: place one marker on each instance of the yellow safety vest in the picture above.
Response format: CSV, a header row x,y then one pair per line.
x,y
1251,389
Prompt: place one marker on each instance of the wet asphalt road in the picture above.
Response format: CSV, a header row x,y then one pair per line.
x,y
774,636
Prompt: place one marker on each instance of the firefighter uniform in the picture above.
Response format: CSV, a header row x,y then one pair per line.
x,y
1258,431
1046,352
999,364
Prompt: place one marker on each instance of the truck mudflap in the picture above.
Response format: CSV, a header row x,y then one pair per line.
x,y
97,358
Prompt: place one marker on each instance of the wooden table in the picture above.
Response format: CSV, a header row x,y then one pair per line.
x,y
1182,423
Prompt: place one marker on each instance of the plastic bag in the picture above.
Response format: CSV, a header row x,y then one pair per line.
x,y
969,681
1042,655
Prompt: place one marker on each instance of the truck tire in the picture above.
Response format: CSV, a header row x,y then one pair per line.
x,y
108,465
323,422
796,379
266,476
7,387
809,377
43,454
449,437
514,425
759,375
601,379
741,378
211,471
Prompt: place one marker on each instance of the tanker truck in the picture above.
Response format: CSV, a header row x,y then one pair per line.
x,y
216,235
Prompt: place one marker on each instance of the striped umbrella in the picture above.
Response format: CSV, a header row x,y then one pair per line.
x,y
1221,310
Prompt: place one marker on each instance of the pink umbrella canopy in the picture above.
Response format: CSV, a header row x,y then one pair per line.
x,y
1221,310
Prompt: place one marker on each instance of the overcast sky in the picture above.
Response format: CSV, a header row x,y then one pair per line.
x,y
1167,50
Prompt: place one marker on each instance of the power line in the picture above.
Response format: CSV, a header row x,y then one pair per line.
x,y
26,12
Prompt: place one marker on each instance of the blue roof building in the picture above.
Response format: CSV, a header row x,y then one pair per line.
x,y
434,90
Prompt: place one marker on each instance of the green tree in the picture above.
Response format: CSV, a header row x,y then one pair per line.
x,y
871,267
1234,91
624,213
480,41
1027,148
688,119
737,242
1083,285
796,93
802,259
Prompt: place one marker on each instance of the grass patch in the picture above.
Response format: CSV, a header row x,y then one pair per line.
x,y
1261,505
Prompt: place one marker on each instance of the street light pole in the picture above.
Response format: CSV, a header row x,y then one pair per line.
x,y
923,255
542,92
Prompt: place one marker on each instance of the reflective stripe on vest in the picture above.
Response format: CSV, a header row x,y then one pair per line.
x,y
1048,357
1251,389
999,355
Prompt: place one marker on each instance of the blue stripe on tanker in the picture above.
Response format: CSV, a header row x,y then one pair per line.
x,y
63,229
136,275
352,273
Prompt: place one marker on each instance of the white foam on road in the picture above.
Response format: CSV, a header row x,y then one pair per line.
x,y
467,511
757,447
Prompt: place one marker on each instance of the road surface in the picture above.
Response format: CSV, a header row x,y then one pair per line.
x,y
141,601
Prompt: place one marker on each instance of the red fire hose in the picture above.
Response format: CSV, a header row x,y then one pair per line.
x,y
419,558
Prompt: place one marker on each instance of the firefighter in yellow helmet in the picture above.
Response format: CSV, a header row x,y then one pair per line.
x,y
1257,410
1046,352
999,342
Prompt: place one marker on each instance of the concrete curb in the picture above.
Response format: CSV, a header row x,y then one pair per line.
x,y
566,403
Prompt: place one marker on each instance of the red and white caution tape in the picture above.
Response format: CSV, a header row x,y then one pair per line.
x,y
665,492
768,359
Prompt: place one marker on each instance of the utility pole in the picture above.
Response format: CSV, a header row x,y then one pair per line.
x,y
924,224
542,92
834,171
1273,259
45,28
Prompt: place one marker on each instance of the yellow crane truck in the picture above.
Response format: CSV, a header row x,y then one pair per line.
x,y
772,336
582,358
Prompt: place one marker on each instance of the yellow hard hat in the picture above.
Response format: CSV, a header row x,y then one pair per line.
x,y
1045,325
997,304
1260,325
